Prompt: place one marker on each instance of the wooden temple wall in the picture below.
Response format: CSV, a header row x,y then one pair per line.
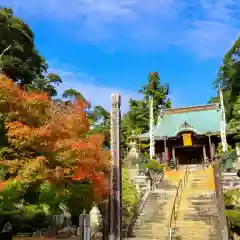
x,y
167,147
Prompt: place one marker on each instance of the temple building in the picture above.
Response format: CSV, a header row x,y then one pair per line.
x,y
188,135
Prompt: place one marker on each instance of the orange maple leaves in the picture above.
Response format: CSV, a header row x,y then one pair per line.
x,y
60,134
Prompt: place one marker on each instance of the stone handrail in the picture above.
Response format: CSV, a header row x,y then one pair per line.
x,y
142,204
146,194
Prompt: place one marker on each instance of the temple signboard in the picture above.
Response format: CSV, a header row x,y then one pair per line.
x,y
187,139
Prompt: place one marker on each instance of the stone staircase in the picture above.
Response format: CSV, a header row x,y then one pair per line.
x,y
197,213
153,221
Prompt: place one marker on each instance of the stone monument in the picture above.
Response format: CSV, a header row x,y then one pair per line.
x,y
115,201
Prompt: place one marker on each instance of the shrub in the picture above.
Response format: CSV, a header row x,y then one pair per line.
x,y
232,199
129,197
233,217
232,203
154,166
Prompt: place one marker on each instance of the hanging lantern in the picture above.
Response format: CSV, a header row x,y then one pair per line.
x,y
187,139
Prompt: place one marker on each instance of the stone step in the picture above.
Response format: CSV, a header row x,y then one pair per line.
x,y
166,185
199,217
199,208
151,226
158,217
162,194
151,222
203,201
201,179
206,212
195,234
156,202
191,237
156,199
149,235
186,225
199,211
144,238
154,233
198,237
202,197
199,226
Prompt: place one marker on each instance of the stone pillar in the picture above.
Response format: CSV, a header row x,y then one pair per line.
x,y
137,169
237,163
149,185
84,226
115,210
138,189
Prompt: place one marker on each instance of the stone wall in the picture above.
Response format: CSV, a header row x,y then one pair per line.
x,y
230,181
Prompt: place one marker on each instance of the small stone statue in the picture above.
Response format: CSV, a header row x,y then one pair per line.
x,y
64,221
95,219
7,227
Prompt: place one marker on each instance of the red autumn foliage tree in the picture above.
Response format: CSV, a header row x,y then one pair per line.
x,y
50,147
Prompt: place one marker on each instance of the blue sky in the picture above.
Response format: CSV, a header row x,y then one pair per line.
x,y
105,46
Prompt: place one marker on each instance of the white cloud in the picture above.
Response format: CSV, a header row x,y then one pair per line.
x,y
205,27
209,38
95,94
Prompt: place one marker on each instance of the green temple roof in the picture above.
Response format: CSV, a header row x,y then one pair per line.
x,y
199,119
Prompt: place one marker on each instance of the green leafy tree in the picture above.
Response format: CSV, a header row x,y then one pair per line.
x,y
229,78
229,73
234,122
46,84
158,91
136,120
19,58
100,119
73,94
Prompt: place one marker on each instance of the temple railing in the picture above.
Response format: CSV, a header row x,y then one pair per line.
x,y
181,186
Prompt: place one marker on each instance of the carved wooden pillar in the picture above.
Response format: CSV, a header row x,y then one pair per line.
x,y
165,150
214,149
204,154
210,147
174,157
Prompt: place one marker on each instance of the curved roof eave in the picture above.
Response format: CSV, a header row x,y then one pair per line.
x,y
189,129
